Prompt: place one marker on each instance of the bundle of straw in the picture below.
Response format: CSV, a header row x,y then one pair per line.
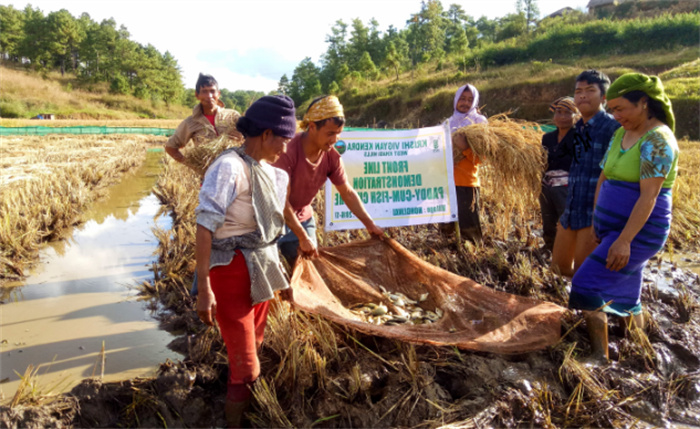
x,y
199,158
513,160
512,149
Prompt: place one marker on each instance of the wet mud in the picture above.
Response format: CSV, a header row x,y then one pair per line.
x,y
319,374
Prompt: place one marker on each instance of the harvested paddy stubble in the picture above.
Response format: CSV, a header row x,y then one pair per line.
x,y
685,228
317,373
46,184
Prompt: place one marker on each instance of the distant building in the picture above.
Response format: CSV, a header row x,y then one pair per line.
x,y
49,116
594,5
560,12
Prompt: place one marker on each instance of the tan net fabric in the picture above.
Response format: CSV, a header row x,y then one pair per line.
x,y
475,317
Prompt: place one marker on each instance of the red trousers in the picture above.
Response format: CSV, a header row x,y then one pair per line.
x,y
242,325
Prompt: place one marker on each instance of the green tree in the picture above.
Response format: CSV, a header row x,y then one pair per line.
x,y
283,85
11,31
393,59
188,98
305,82
531,11
455,19
511,25
398,38
375,45
456,14
472,33
367,67
459,46
487,29
333,88
359,40
426,32
119,85
65,37
98,47
34,45
334,60
170,79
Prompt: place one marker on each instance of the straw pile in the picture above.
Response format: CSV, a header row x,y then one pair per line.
x,y
199,158
511,149
513,161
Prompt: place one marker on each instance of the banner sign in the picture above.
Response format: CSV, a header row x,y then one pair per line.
x,y
403,177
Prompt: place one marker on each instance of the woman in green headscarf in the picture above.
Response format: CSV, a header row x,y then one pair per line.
x,y
632,216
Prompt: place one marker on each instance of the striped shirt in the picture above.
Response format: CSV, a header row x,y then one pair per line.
x,y
590,144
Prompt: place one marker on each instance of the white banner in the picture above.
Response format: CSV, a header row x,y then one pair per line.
x,y
403,177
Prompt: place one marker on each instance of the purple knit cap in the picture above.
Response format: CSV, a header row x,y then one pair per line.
x,y
274,112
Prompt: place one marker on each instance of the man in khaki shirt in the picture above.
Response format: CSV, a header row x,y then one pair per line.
x,y
208,121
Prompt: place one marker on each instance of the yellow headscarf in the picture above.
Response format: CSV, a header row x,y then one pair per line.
x,y
327,107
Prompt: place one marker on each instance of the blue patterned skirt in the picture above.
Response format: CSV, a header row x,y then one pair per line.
x,y
594,285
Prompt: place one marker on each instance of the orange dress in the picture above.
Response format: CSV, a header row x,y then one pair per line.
x,y
466,171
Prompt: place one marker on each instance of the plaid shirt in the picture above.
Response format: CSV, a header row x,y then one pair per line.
x,y
590,144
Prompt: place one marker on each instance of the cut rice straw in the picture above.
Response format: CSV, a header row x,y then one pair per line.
x,y
199,158
513,161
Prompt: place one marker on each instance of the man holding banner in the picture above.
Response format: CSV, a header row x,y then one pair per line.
x,y
309,160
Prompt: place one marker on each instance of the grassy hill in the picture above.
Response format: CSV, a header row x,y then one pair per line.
x,y
424,97
419,98
26,94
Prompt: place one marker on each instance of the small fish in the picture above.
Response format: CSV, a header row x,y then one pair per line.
x,y
381,309
423,297
401,312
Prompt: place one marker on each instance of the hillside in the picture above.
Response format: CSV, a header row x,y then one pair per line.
x,y
26,94
419,98
425,96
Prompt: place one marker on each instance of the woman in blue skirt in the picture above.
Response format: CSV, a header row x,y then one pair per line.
x,y
632,216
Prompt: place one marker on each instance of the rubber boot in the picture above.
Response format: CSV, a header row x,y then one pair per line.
x,y
234,412
597,323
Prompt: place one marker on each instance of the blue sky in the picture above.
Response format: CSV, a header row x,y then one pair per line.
x,y
250,44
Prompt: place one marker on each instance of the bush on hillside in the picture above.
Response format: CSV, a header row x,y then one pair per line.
x,y
12,109
596,38
119,85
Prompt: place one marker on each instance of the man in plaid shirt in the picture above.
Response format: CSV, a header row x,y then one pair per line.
x,y
575,239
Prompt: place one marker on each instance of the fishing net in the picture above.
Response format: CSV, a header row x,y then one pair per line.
x,y
472,316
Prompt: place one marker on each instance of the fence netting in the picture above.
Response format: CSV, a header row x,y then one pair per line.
x,y
83,130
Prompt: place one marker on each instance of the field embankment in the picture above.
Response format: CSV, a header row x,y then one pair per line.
x,y
26,94
47,182
424,97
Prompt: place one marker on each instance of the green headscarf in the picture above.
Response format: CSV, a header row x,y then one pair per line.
x,y
650,85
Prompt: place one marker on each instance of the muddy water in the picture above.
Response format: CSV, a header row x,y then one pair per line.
x,y
81,296
688,261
